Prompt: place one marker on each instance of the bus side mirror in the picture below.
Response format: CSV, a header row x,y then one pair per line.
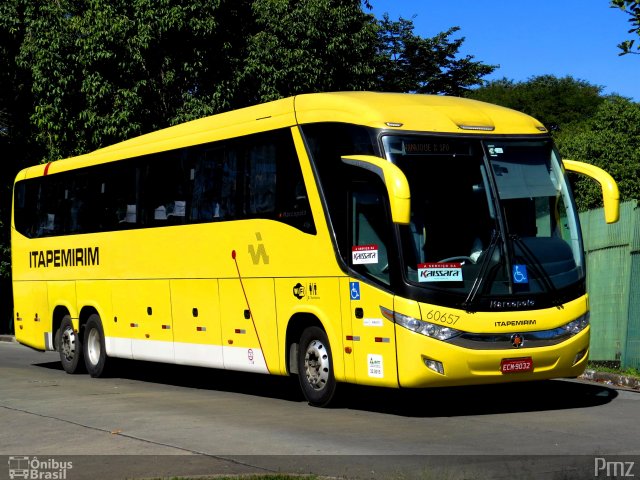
x,y
610,193
395,181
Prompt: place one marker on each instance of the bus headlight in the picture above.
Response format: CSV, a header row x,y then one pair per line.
x,y
577,325
428,329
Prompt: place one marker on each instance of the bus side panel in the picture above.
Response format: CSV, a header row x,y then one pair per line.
x,y
97,294
317,297
195,309
245,349
32,321
347,328
144,307
62,294
374,340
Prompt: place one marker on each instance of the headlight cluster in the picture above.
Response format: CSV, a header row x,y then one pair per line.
x,y
428,329
577,325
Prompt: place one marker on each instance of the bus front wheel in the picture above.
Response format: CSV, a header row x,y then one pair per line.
x,y
95,355
315,368
69,346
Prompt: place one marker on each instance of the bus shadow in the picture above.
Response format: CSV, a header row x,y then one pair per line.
x,y
424,403
479,399
268,386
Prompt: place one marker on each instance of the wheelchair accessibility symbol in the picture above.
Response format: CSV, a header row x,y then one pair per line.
x,y
354,288
520,274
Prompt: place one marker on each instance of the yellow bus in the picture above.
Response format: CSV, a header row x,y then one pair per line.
x,y
393,240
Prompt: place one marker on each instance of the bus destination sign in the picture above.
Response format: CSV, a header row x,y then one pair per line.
x,y
435,147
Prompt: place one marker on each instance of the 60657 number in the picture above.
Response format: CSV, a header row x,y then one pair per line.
x,y
442,317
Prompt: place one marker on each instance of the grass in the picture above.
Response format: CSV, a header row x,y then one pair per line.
x,y
613,367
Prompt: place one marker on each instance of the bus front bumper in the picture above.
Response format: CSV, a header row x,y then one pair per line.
x,y
426,362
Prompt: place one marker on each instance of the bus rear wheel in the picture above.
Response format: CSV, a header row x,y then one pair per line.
x,y
315,367
95,354
69,346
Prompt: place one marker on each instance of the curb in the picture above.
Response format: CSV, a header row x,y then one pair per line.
x,y
611,379
7,338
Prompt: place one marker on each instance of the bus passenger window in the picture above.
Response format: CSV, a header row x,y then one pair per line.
x,y
261,179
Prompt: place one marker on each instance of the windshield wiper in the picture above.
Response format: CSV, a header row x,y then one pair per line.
x,y
482,274
536,267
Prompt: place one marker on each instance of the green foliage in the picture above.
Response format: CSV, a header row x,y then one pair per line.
x,y
610,140
556,102
100,72
288,53
107,71
632,9
410,63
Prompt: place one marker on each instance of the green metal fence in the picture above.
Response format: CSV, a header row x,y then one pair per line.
x,y
613,282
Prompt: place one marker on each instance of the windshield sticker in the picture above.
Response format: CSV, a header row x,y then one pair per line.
x,y
495,151
520,274
440,272
361,254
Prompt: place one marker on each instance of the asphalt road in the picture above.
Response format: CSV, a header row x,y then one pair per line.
x,y
151,420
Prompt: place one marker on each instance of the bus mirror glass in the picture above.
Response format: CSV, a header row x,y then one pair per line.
x,y
394,180
610,193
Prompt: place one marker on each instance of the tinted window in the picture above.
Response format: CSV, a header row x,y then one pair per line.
x,y
253,177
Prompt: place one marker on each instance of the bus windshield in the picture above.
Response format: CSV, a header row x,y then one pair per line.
x,y
489,217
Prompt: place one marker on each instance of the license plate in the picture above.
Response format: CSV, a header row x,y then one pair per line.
x,y
516,365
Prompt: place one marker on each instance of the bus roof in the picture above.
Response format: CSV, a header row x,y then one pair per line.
x,y
391,111
428,113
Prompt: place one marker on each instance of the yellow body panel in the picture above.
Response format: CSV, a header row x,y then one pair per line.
x,y
228,294
372,337
32,314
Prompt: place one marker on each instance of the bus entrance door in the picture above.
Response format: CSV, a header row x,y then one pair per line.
x,y
372,337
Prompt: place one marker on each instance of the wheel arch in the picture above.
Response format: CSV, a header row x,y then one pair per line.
x,y
85,313
59,312
300,321
297,324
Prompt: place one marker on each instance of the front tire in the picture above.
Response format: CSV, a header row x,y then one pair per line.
x,y
315,367
95,354
69,346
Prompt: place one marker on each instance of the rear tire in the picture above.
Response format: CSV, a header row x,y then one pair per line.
x,y
95,354
315,367
69,346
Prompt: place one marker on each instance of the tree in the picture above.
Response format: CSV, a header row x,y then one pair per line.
x,y
610,140
102,72
107,71
632,9
308,46
410,63
556,102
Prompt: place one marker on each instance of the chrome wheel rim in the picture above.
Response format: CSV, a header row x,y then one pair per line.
x,y
94,347
316,365
68,343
